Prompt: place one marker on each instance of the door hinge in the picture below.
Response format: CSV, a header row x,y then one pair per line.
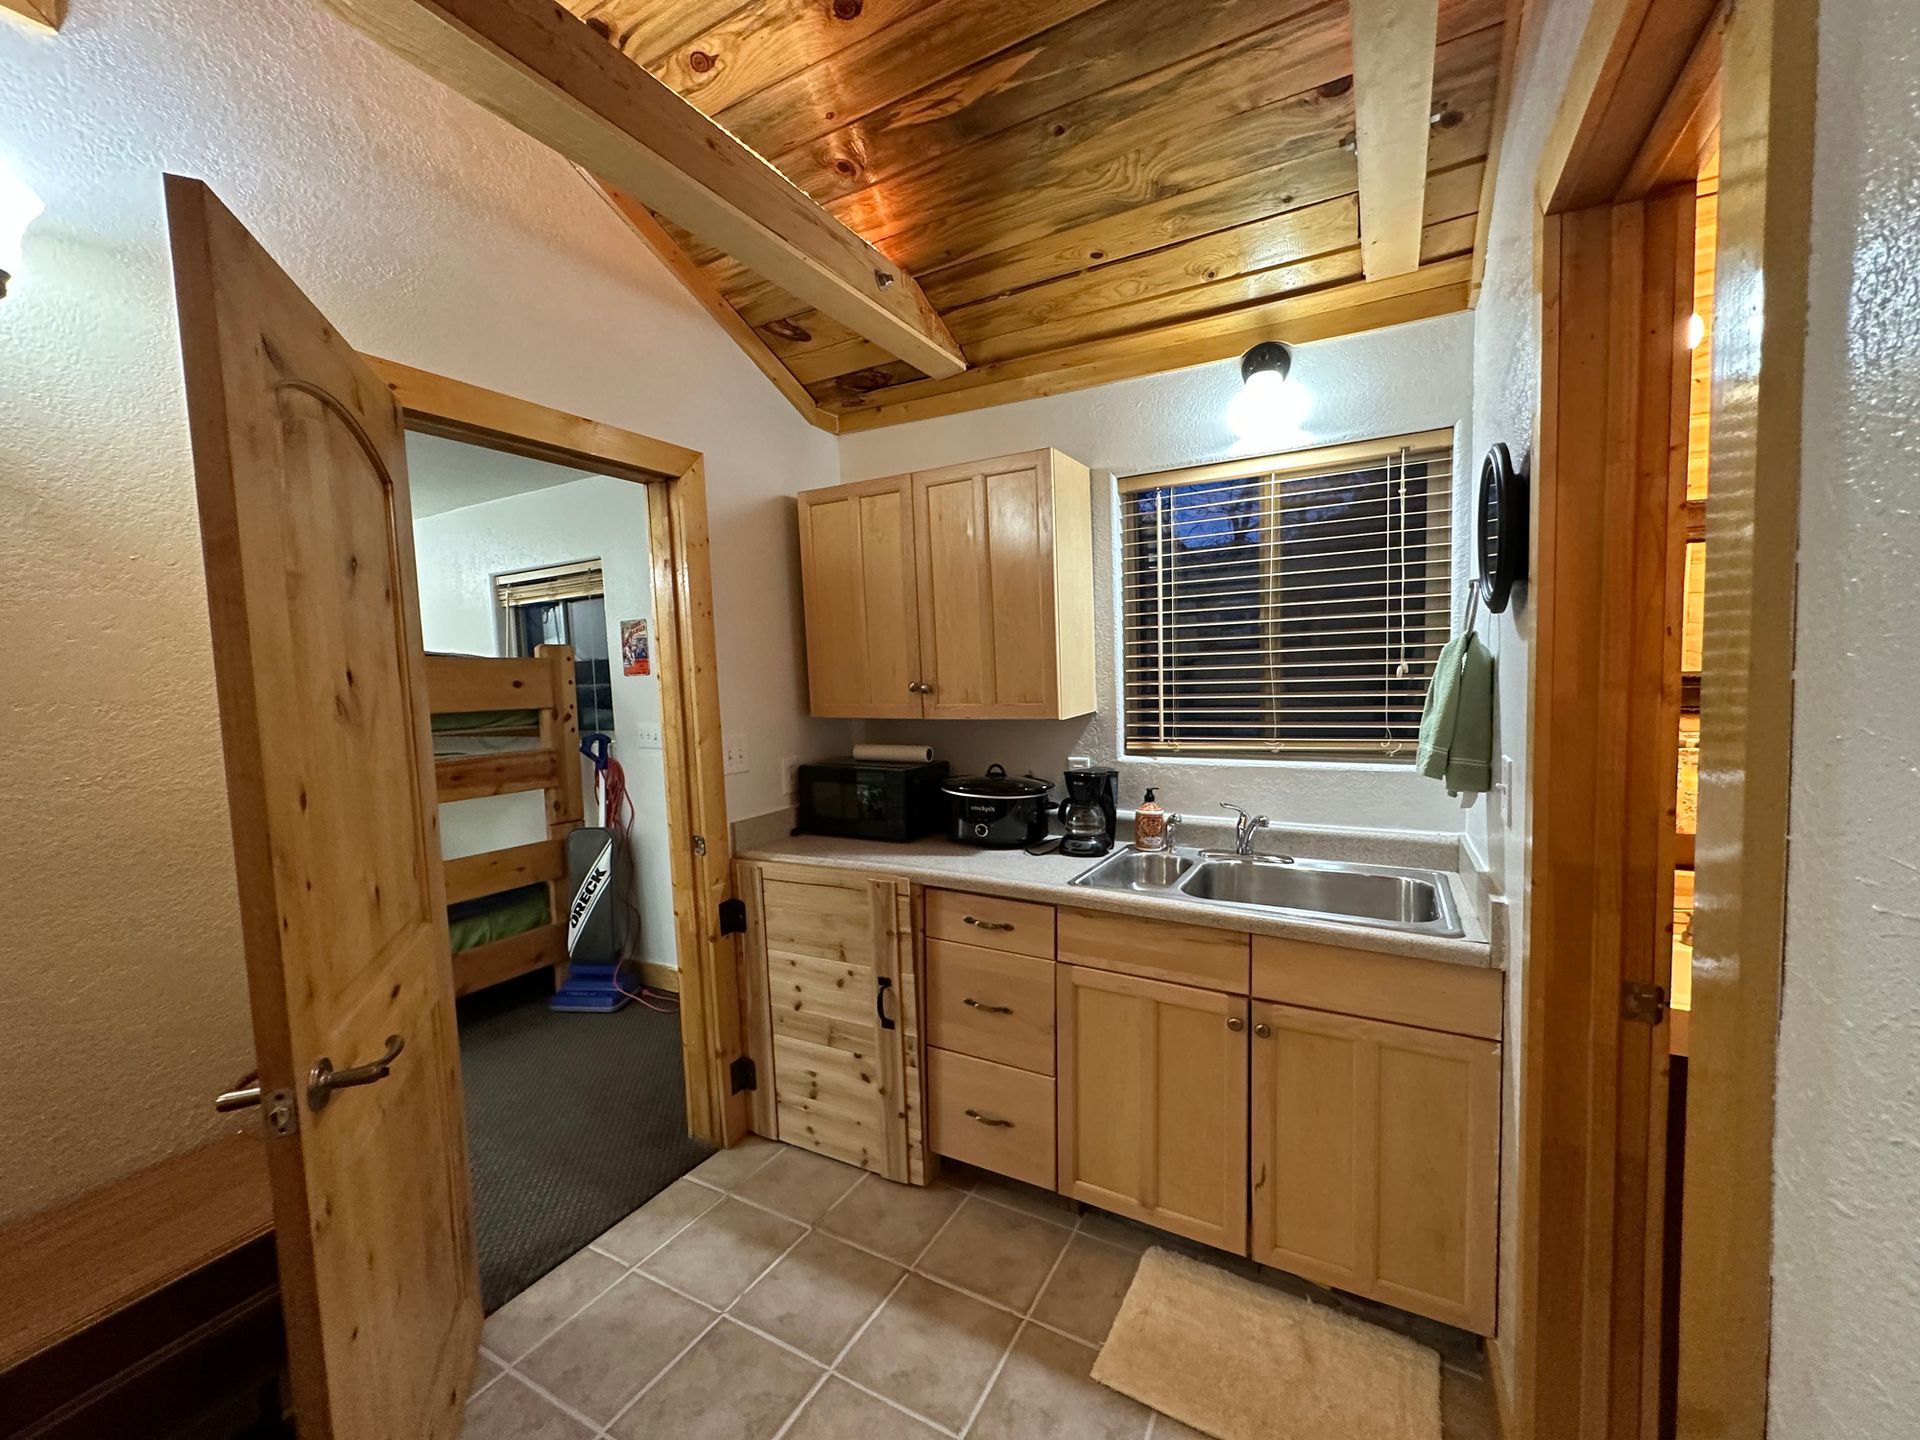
x,y
733,917
1643,1001
743,1074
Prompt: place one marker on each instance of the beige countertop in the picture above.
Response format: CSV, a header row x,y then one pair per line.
x,y
1014,873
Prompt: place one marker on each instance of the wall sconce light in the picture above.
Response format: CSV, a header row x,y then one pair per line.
x,y
1267,407
19,208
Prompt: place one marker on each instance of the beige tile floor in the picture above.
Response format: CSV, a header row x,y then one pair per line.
x,y
777,1295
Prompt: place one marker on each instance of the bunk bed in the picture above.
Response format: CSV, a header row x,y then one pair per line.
x,y
502,727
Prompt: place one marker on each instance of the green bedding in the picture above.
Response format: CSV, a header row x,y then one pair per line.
x,y
495,917
487,722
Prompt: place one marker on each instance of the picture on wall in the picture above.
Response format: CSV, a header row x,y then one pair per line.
x,y
633,648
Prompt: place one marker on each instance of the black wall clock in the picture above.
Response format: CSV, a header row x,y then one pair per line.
x,y
1500,523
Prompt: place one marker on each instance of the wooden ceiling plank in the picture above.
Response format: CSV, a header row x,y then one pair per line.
x,y
1278,240
643,224
1340,310
1219,297
1451,193
1687,121
1512,24
1278,90
764,43
893,62
1106,46
558,80
1393,62
647,30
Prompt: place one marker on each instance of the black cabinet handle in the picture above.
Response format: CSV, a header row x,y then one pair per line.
x,y
881,986
992,1120
973,1004
986,924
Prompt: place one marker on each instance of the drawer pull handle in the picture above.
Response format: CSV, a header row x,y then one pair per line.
x,y
973,1004
992,1120
987,924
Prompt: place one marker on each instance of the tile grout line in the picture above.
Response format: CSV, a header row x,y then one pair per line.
x,y
621,1413
1025,1320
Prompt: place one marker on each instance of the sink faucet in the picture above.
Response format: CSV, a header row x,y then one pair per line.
x,y
1244,826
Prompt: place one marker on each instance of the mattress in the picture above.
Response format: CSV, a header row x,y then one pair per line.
x,y
484,732
473,923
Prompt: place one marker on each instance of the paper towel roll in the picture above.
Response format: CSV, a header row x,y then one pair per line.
x,y
913,754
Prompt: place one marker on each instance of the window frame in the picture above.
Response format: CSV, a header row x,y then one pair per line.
x,y
1278,467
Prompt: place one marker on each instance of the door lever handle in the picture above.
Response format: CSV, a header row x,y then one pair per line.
x,y
324,1079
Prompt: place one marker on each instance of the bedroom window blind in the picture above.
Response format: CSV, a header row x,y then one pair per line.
x,y
1288,605
549,584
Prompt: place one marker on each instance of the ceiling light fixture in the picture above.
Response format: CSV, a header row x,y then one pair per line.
x,y
1268,407
19,208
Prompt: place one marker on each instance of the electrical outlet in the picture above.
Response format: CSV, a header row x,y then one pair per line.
x,y
1079,762
1506,791
645,737
736,759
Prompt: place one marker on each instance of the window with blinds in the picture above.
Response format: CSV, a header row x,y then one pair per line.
x,y
1289,605
564,605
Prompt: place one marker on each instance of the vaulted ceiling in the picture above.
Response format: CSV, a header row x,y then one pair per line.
x,y
1053,193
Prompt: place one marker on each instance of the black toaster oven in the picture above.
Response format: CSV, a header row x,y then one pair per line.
x,y
871,799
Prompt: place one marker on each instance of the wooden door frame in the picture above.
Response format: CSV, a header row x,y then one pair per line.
x,y
699,844
1614,193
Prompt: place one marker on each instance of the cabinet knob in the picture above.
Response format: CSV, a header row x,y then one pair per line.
x,y
1263,1031
1236,1024
919,687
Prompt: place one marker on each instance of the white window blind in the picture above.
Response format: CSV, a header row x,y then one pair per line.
x,y
1292,604
550,583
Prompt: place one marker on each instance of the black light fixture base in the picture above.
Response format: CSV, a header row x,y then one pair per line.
x,y
1267,355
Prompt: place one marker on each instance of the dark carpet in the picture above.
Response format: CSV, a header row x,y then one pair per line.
x,y
573,1122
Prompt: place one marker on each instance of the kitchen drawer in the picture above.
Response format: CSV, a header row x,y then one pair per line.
x,y
990,1004
1155,949
1457,999
993,1116
1018,926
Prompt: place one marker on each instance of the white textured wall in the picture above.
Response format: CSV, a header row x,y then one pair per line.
x,y
428,231
1506,405
458,554
1846,1304
1387,382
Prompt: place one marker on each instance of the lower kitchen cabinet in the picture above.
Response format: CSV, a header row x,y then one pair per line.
x,y
833,1014
1376,1159
1152,1095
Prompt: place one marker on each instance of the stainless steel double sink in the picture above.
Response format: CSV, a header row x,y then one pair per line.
x,y
1384,896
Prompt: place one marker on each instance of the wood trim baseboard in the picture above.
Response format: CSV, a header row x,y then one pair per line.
x,y
656,976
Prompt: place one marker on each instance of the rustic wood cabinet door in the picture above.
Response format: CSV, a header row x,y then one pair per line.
x,y
985,536
840,1010
858,587
300,463
1376,1160
1153,1102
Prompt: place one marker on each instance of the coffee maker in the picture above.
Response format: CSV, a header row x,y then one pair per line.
x,y
1089,813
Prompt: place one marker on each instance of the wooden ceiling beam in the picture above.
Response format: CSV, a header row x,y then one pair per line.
x,y
1393,48
552,76
43,15
641,221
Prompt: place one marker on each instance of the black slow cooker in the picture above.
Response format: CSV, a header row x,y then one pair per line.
x,y
998,809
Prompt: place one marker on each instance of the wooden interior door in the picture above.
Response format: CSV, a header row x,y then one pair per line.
x,y
308,540
1152,1094
863,632
1376,1153
984,538
843,1013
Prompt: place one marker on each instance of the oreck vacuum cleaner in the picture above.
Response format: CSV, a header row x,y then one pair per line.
x,y
593,941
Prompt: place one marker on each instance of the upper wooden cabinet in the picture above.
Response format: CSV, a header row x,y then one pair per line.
x,y
960,593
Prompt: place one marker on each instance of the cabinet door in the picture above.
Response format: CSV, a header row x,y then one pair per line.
x,y
1376,1160
839,1011
984,544
1153,1102
857,581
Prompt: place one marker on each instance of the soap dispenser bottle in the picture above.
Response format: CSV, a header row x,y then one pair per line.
x,y
1149,825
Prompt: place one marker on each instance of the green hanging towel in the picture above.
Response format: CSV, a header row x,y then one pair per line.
x,y
1456,728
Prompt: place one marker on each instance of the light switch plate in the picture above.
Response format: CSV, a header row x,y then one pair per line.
x,y
645,737
737,759
1079,762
